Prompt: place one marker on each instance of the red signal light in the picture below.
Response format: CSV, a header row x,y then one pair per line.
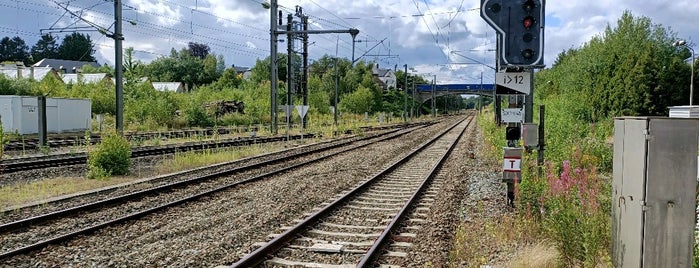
x,y
528,22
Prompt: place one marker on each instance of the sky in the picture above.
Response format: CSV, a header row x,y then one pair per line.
x,y
446,39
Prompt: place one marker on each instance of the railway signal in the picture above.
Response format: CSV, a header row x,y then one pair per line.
x,y
521,25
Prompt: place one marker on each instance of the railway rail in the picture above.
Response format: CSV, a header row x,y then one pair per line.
x,y
30,163
35,232
360,228
62,140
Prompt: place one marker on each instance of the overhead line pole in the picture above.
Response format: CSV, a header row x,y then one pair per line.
x,y
289,72
273,32
119,71
405,95
304,20
273,64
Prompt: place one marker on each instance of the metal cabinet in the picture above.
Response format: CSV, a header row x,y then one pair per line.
x,y
653,191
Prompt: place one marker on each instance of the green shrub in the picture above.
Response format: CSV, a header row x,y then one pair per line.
x,y
111,157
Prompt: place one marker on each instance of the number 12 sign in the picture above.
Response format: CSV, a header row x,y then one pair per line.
x,y
520,82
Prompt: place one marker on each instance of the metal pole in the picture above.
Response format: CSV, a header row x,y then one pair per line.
x,y
412,103
405,95
353,37
304,20
42,120
289,69
496,98
273,64
529,100
542,141
118,66
336,107
337,44
434,84
691,81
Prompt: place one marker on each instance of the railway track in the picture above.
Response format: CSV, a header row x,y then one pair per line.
x,y
62,140
37,231
360,228
65,140
31,163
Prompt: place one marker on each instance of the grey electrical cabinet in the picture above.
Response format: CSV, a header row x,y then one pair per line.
x,y
654,191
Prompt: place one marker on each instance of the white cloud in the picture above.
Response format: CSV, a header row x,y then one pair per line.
x,y
237,28
167,14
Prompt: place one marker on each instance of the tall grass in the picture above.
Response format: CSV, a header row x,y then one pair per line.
x,y
567,199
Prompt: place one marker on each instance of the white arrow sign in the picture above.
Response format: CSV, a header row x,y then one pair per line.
x,y
520,82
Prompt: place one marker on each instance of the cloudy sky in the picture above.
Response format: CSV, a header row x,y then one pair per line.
x,y
446,38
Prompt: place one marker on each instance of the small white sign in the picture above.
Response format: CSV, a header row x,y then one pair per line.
x,y
302,109
520,82
512,115
512,164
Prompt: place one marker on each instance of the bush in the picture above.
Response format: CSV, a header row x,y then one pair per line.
x,y
112,157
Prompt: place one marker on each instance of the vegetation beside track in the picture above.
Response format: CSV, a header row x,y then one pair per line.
x,y
564,206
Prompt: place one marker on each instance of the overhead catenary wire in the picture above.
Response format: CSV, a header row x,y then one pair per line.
x,y
201,38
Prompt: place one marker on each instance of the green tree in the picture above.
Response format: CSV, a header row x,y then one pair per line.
x,y
198,50
78,47
14,49
89,69
358,102
610,77
228,80
133,68
46,47
183,67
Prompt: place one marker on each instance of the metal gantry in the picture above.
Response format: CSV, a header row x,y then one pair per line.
x,y
274,32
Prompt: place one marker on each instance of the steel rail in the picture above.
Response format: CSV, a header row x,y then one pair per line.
x,y
46,162
139,214
374,252
260,254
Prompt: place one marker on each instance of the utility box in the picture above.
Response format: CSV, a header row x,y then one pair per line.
x,y
530,135
21,114
654,191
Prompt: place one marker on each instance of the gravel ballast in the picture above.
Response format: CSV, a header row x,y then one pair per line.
x,y
220,229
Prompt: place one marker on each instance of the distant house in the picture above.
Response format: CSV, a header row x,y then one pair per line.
x,y
244,71
169,86
18,70
385,77
65,66
74,78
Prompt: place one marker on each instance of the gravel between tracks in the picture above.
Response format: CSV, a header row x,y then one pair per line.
x,y
147,164
220,229
470,179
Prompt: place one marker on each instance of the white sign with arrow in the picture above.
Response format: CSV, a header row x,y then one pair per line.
x,y
520,82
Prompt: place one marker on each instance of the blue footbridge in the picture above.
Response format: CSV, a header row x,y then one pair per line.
x,y
424,92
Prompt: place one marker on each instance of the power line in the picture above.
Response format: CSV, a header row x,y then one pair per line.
x,y
218,17
332,13
425,21
439,33
140,23
457,13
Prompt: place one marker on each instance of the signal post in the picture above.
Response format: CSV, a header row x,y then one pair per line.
x,y
519,26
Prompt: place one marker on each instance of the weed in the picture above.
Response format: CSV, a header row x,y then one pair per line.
x,y
46,150
570,205
112,157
